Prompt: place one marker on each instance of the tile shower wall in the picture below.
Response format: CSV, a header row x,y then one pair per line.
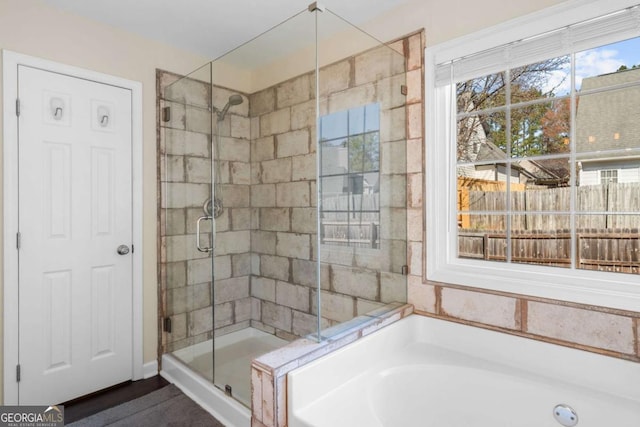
x,y
283,198
184,182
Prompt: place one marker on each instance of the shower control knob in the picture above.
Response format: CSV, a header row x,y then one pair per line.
x,y
123,250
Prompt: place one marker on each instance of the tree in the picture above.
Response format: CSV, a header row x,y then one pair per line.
x,y
527,132
556,124
624,67
364,152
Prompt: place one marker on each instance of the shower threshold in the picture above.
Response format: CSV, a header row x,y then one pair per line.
x,y
190,369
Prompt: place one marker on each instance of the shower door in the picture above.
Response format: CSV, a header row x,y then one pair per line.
x,y
362,176
205,228
186,259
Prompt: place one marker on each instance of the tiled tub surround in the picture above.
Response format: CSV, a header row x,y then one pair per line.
x,y
269,388
596,329
437,373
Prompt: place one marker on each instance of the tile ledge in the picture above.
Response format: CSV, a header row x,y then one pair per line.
x,y
310,350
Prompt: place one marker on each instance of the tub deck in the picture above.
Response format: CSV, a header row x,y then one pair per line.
x,y
432,373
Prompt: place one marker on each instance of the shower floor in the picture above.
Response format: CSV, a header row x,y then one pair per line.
x,y
233,354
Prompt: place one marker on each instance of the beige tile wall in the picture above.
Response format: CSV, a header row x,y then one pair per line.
x,y
184,150
283,198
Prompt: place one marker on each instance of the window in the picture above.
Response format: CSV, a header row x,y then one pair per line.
x,y
525,143
608,176
350,177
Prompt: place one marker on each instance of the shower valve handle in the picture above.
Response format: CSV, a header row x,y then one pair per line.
x,y
201,248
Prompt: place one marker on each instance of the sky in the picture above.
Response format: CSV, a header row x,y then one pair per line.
x,y
607,59
594,62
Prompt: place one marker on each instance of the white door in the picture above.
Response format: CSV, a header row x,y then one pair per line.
x,y
75,210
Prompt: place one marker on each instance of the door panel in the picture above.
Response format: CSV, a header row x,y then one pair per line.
x,y
75,209
57,328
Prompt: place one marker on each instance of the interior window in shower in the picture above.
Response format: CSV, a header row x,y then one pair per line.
x,y
350,177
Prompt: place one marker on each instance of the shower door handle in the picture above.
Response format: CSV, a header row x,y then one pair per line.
x,y
200,248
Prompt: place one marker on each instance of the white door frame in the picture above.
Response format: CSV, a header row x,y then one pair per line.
x,y
11,60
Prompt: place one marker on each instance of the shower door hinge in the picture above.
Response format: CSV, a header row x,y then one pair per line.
x,y
316,5
405,270
132,249
18,240
17,373
166,324
18,107
166,114
404,90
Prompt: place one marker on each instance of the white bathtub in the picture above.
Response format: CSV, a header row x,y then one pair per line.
x,y
430,373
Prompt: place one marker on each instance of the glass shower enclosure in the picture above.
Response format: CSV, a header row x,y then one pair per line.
x,y
282,179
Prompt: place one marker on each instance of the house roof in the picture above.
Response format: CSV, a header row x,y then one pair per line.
x,y
609,120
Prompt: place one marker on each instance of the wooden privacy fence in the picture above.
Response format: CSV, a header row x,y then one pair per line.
x,y
355,234
613,197
351,219
604,250
606,242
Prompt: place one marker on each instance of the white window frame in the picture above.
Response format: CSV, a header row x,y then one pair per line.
x,y
608,176
614,290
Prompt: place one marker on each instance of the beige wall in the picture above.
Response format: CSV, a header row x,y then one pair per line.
x,y
445,20
33,28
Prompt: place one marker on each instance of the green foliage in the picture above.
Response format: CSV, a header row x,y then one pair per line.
x,y
364,152
624,67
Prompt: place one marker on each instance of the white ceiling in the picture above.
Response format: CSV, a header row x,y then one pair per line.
x,y
211,27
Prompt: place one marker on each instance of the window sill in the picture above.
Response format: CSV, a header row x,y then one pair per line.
x,y
612,290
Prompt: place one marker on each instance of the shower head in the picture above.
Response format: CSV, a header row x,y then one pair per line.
x,y
234,99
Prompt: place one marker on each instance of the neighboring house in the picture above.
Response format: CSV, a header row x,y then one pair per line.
x,y
479,148
337,179
607,123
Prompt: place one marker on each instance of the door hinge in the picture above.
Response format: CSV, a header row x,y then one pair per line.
x,y
18,107
18,373
18,240
166,114
405,270
166,324
404,90
132,249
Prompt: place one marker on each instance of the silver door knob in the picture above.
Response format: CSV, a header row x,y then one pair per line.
x,y
123,250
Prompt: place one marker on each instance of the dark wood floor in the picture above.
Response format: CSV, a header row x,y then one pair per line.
x,y
85,406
